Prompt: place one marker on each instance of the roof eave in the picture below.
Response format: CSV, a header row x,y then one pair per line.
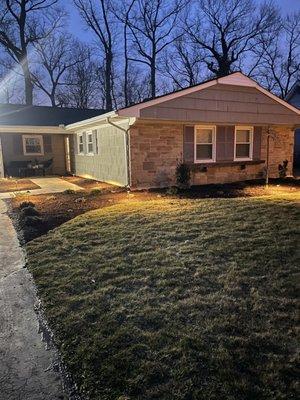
x,y
32,129
91,121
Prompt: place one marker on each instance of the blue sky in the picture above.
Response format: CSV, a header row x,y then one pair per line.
x,y
77,27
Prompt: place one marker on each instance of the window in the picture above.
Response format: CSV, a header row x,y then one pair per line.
x,y
80,144
90,144
205,143
33,145
243,143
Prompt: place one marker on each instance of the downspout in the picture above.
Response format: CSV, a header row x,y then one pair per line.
x,y
127,148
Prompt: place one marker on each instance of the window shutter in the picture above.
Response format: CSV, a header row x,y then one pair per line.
x,y
225,143
47,144
188,144
95,142
257,142
18,144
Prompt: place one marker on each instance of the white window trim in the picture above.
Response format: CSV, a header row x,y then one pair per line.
x,y
89,153
251,130
40,137
79,135
209,160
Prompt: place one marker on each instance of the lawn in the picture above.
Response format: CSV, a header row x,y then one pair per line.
x,y
176,299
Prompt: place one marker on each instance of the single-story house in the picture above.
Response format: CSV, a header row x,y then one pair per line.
x,y
220,128
293,97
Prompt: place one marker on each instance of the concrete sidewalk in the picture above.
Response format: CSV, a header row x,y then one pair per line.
x,y
26,366
51,184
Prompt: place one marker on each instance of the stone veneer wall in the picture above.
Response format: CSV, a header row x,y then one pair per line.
x,y
156,148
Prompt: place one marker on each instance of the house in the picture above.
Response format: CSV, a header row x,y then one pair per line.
x,y
219,128
30,134
293,97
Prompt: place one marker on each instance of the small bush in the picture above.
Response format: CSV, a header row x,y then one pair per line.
x,y
29,211
69,191
183,175
282,169
95,191
25,204
172,191
33,220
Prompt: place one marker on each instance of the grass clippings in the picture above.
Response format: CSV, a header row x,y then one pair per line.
x,y
176,299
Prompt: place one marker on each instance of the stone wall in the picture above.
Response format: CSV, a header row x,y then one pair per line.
x,y
157,147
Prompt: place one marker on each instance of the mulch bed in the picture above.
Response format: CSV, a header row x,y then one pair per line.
x,y
88,184
55,209
14,185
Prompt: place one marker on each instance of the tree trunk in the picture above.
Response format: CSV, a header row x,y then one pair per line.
x,y
27,81
153,78
108,83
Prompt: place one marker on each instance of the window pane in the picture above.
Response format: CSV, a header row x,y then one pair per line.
x,y
204,136
242,150
80,139
243,136
80,147
90,147
33,145
204,152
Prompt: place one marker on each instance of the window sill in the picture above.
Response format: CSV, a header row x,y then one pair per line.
x,y
225,163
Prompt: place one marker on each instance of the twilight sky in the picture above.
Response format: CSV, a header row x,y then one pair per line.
x,y
76,25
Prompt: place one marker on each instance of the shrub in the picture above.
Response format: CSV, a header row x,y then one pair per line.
x,y
29,211
33,220
172,191
25,204
183,175
282,169
69,191
95,191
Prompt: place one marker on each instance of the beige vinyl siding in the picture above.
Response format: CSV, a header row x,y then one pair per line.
x,y
12,149
223,104
109,165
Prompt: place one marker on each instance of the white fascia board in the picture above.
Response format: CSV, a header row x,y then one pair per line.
x,y
91,121
31,129
96,123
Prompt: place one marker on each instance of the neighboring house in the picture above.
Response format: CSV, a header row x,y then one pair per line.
x,y
218,127
293,97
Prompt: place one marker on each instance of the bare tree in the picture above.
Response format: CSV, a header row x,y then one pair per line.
x,y
99,20
280,65
82,87
122,12
23,23
228,29
185,68
152,25
56,55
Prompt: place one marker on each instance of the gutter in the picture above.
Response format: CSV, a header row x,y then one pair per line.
x,y
127,147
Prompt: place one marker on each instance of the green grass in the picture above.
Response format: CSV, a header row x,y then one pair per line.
x,y
176,299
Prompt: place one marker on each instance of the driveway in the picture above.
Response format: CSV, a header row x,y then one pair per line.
x,y
26,366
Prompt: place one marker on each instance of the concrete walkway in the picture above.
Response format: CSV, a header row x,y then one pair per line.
x,y
47,185
26,367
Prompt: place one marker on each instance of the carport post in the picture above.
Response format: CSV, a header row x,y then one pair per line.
x,y
1,161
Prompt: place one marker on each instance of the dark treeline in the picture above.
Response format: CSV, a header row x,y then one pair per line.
x,y
140,48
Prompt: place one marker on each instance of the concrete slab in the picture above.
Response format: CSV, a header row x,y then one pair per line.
x,y
26,366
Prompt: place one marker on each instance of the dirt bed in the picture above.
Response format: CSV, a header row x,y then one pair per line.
x,y
58,208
